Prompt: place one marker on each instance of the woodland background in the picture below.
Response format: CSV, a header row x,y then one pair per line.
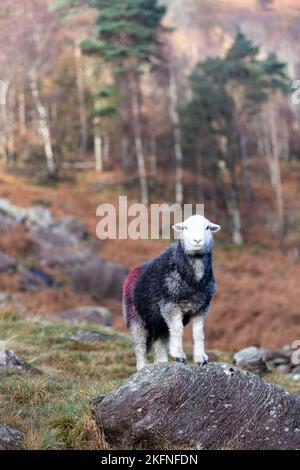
x,y
166,101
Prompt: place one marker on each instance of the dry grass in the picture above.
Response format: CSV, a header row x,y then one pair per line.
x,y
52,408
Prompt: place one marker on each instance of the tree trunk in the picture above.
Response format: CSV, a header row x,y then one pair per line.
x,y
135,109
234,212
245,167
22,113
124,152
81,98
174,116
3,132
98,152
232,204
199,165
11,126
275,163
153,148
43,125
214,201
106,148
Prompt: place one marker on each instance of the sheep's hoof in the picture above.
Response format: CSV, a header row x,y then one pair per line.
x,y
203,363
182,360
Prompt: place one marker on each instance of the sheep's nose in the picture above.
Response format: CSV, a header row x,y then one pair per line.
x,y
197,241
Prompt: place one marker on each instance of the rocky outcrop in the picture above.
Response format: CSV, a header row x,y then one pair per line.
x,y
92,336
61,245
262,360
4,299
10,361
98,278
215,407
6,262
10,439
97,315
251,359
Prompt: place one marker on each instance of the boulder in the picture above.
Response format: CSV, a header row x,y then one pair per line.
x,y
38,216
70,225
33,216
56,248
296,373
251,359
10,439
4,299
7,223
97,315
284,369
34,279
6,262
218,406
98,278
9,360
91,336
18,214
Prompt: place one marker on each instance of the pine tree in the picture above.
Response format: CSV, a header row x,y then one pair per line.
x,y
226,94
126,32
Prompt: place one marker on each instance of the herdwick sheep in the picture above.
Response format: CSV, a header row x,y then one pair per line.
x,y
162,295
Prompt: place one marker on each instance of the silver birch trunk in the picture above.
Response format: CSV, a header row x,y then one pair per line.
x,y
11,125
174,116
81,98
135,109
245,167
153,148
232,205
106,148
22,113
43,125
275,163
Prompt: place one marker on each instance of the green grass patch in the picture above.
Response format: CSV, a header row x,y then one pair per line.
x,y
52,408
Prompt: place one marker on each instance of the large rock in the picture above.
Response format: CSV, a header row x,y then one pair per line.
x,y
215,407
97,315
251,359
7,223
33,216
10,439
9,361
6,262
92,336
98,278
18,214
70,225
58,248
34,279
4,299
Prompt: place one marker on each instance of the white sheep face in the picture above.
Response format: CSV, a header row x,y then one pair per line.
x,y
197,234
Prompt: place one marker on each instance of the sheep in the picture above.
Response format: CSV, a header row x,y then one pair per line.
x,y
164,294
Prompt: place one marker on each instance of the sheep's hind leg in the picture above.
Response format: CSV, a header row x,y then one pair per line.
x,y
139,341
160,350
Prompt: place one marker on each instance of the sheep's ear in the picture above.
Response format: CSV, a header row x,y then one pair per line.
x,y
178,227
214,227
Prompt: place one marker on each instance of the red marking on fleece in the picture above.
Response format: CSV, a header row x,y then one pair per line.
x,y
129,310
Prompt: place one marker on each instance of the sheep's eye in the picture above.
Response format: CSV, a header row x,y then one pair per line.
x,y
185,227
208,227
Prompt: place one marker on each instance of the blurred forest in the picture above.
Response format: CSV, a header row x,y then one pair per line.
x,y
190,104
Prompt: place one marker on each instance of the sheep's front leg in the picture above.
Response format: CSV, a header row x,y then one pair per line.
x,y
199,355
160,350
175,325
